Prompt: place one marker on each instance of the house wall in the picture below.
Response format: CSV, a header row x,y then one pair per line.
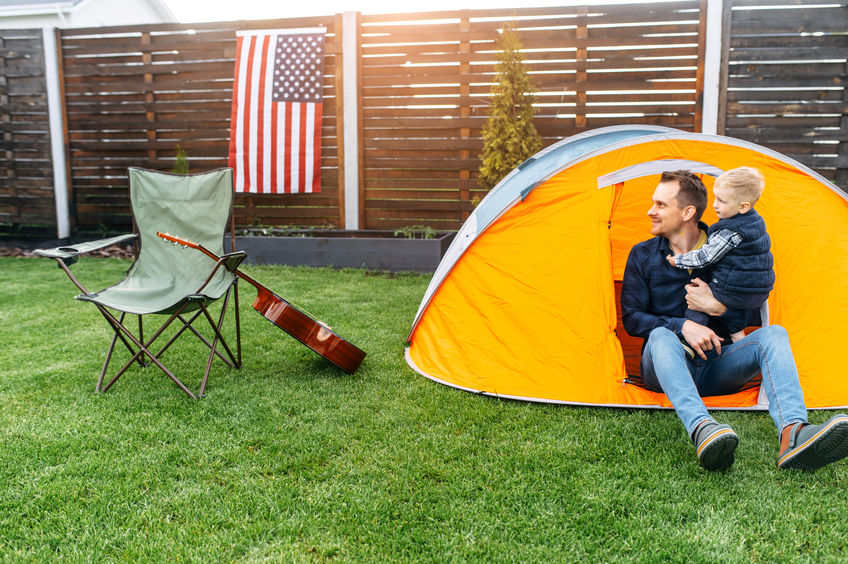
x,y
94,13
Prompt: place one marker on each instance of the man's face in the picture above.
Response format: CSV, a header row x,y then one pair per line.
x,y
666,215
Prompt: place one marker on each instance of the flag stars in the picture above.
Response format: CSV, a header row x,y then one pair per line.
x,y
298,63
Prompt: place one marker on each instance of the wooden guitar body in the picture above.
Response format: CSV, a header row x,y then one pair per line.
x,y
314,334
311,333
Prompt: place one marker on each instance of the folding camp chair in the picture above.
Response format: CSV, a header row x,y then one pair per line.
x,y
167,280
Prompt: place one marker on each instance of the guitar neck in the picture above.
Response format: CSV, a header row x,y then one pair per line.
x,y
237,272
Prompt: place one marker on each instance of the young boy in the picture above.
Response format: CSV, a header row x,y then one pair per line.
x,y
738,248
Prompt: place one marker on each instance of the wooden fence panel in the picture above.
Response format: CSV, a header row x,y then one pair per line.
x,y
426,81
26,171
787,69
134,94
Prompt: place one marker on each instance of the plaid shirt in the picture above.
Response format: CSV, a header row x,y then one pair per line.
x,y
717,246
653,292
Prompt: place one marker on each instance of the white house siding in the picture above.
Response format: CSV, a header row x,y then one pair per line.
x,y
88,13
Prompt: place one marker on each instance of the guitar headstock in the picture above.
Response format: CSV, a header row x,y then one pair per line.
x,y
178,240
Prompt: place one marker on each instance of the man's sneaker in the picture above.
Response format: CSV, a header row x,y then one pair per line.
x,y
715,445
813,446
687,350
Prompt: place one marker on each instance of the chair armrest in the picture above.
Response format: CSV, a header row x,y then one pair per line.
x,y
231,261
69,253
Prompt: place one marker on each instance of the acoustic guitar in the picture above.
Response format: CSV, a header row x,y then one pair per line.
x,y
312,333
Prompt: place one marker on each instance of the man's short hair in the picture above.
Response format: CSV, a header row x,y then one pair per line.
x,y
746,182
692,190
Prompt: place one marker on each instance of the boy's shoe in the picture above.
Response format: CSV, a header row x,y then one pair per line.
x,y
687,350
813,446
715,445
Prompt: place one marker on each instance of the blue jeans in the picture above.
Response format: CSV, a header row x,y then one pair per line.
x,y
666,368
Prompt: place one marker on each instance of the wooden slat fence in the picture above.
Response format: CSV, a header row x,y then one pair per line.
x,y
135,94
26,171
426,81
786,81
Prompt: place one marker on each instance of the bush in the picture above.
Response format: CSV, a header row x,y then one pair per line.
x,y
509,136
181,164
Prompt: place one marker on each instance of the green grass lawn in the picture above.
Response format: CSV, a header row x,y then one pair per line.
x,y
289,459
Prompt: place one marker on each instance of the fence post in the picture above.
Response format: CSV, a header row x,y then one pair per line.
x,y
581,76
712,66
149,95
338,85
724,65
55,110
6,135
464,106
841,178
350,183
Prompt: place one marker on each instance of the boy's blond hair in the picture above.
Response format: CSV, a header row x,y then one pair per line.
x,y
747,182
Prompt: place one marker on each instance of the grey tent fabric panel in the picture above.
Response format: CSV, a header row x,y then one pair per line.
x,y
648,168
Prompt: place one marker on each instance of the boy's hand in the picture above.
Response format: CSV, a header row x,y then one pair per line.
x,y
700,338
671,261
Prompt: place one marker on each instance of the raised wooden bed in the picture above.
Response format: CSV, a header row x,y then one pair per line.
x,y
376,250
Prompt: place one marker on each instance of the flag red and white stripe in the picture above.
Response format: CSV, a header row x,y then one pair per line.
x,y
275,132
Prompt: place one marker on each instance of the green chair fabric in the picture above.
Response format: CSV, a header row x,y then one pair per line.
x,y
196,207
166,279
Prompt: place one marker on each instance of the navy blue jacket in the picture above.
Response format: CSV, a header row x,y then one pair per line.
x,y
653,292
748,268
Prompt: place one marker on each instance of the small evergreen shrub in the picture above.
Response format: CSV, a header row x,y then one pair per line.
x,y
509,136
181,164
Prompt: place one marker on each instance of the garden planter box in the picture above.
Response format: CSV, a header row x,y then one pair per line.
x,y
376,250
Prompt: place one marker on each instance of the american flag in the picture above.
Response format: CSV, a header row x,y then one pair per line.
x,y
275,133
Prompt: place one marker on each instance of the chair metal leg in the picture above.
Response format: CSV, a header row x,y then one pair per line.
x,y
238,322
141,362
188,325
109,354
115,325
180,331
123,369
143,349
140,352
218,337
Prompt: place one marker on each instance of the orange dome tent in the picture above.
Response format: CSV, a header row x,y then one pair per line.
x,y
524,304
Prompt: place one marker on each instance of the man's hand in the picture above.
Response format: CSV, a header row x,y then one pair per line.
x,y
671,261
699,297
700,338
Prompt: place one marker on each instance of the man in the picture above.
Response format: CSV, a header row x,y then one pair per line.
x,y
654,299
